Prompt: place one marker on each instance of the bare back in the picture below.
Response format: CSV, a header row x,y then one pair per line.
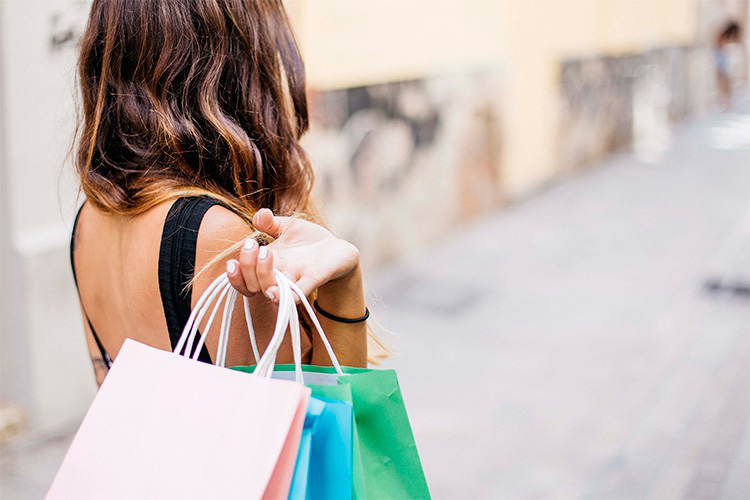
x,y
116,260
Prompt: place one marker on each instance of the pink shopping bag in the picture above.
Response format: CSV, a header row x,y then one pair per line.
x,y
165,426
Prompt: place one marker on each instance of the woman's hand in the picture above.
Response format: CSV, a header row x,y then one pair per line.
x,y
305,252
312,257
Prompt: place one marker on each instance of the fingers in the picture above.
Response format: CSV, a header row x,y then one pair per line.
x,y
235,277
264,272
246,275
264,221
253,272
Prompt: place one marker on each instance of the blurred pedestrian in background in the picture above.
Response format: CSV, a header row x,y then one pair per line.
x,y
729,35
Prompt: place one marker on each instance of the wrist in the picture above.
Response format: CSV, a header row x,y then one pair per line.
x,y
344,296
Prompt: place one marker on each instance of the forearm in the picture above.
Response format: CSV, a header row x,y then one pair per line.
x,y
344,298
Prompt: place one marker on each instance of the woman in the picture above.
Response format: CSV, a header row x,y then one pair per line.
x,y
188,153
729,35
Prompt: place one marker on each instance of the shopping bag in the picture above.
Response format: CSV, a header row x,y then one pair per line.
x,y
343,393
384,445
390,464
330,473
323,467
165,426
298,490
340,393
390,461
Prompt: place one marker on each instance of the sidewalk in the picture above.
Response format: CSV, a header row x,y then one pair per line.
x,y
590,342
577,345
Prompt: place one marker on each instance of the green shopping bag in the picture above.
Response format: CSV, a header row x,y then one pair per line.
x,y
390,465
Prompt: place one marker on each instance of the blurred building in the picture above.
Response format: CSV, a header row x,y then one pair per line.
x,y
426,114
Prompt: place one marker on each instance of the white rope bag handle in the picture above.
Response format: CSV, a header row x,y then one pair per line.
x,y
286,318
286,303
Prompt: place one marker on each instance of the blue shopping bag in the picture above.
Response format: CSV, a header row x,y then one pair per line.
x,y
324,461
331,452
298,488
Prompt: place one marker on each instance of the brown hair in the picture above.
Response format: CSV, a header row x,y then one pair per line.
x,y
192,96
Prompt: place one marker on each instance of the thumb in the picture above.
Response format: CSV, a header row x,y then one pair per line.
x,y
265,221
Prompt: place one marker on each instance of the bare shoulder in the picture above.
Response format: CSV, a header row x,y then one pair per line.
x,y
221,235
220,229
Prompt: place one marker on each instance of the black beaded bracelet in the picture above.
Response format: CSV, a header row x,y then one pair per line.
x,y
340,320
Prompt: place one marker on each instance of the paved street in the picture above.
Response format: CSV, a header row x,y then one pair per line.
x,y
591,341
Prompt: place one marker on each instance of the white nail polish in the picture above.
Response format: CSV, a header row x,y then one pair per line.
x,y
231,267
249,244
270,295
263,253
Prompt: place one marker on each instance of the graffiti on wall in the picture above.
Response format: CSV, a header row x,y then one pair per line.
x,y
398,164
610,103
67,21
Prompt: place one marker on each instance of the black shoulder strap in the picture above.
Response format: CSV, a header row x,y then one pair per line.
x,y
104,354
177,263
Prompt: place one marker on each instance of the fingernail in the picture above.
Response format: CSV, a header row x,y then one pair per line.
x,y
231,267
249,244
270,295
263,252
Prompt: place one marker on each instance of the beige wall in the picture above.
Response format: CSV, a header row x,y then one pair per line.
x,y
349,43
352,43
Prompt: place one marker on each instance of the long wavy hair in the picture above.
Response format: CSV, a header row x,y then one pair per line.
x,y
194,97
187,97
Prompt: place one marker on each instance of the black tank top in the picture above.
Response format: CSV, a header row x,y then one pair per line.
x,y
176,266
